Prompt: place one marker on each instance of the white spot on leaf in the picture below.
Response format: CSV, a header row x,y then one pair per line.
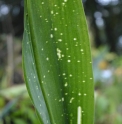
x,y
79,115
71,100
52,12
66,84
59,53
47,59
55,29
59,40
51,35
68,60
79,94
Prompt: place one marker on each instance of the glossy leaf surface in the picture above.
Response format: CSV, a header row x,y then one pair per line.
x,y
57,61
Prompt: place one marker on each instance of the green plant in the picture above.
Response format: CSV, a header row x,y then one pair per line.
x,y
57,61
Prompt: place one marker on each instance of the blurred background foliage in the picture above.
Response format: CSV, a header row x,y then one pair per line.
x,y
104,19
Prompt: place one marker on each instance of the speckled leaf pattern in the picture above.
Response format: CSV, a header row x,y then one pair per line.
x,y
57,61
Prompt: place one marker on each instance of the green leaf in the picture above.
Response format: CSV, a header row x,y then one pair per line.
x,y
57,61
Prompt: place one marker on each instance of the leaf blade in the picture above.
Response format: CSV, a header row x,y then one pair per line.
x,y
59,48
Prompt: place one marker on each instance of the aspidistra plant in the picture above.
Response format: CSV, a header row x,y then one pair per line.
x,y
57,61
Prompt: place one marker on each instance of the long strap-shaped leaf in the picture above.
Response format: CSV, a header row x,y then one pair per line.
x,y
57,61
